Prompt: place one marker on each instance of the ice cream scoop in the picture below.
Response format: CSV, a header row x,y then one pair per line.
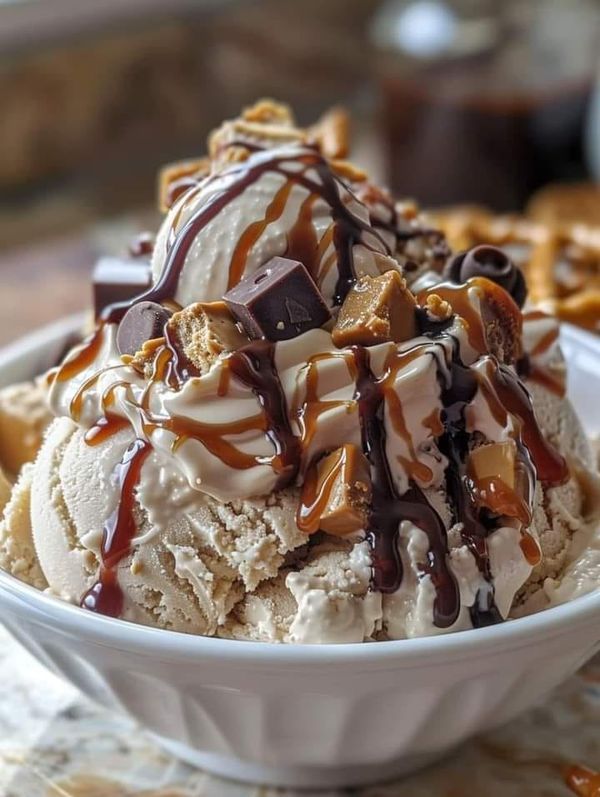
x,y
280,440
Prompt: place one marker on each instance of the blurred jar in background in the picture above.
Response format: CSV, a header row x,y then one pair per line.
x,y
484,100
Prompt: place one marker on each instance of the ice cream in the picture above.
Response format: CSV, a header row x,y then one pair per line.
x,y
312,426
24,415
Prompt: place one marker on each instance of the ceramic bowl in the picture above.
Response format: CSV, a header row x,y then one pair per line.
x,y
307,716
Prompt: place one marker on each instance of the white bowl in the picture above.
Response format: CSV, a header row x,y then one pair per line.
x,y
307,716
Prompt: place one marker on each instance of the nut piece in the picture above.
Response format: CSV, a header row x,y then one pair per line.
x,y
265,124
268,111
377,309
336,493
24,416
496,460
175,178
203,331
437,308
332,133
348,171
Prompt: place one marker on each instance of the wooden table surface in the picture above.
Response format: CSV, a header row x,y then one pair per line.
x,y
46,280
41,283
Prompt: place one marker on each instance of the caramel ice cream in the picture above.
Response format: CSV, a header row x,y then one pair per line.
x,y
314,425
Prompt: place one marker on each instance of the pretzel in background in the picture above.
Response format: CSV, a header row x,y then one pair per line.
x,y
561,262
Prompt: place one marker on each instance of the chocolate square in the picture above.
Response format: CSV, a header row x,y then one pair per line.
x,y
119,279
279,301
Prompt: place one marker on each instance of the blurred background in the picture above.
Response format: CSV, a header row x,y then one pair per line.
x,y
453,101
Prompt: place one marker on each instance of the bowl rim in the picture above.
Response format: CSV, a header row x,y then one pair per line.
x,y
50,610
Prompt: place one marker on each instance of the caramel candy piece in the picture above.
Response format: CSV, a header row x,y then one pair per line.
x,y
497,481
203,331
336,493
175,178
495,460
278,301
376,310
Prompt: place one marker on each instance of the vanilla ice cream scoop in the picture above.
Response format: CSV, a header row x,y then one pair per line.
x,y
285,201
281,440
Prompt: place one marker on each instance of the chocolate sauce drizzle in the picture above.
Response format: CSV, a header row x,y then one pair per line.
x,y
106,596
389,509
454,443
551,466
348,228
254,365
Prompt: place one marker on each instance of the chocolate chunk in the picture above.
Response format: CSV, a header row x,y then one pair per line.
x,y
376,310
142,322
279,301
491,262
117,280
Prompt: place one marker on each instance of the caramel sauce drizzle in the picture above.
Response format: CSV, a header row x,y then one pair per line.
x,y
584,782
253,232
105,428
348,229
312,407
302,239
552,468
530,548
212,436
84,358
254,366
106,596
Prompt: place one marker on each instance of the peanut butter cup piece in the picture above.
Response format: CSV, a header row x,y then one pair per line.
x,y
376,310
336,493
